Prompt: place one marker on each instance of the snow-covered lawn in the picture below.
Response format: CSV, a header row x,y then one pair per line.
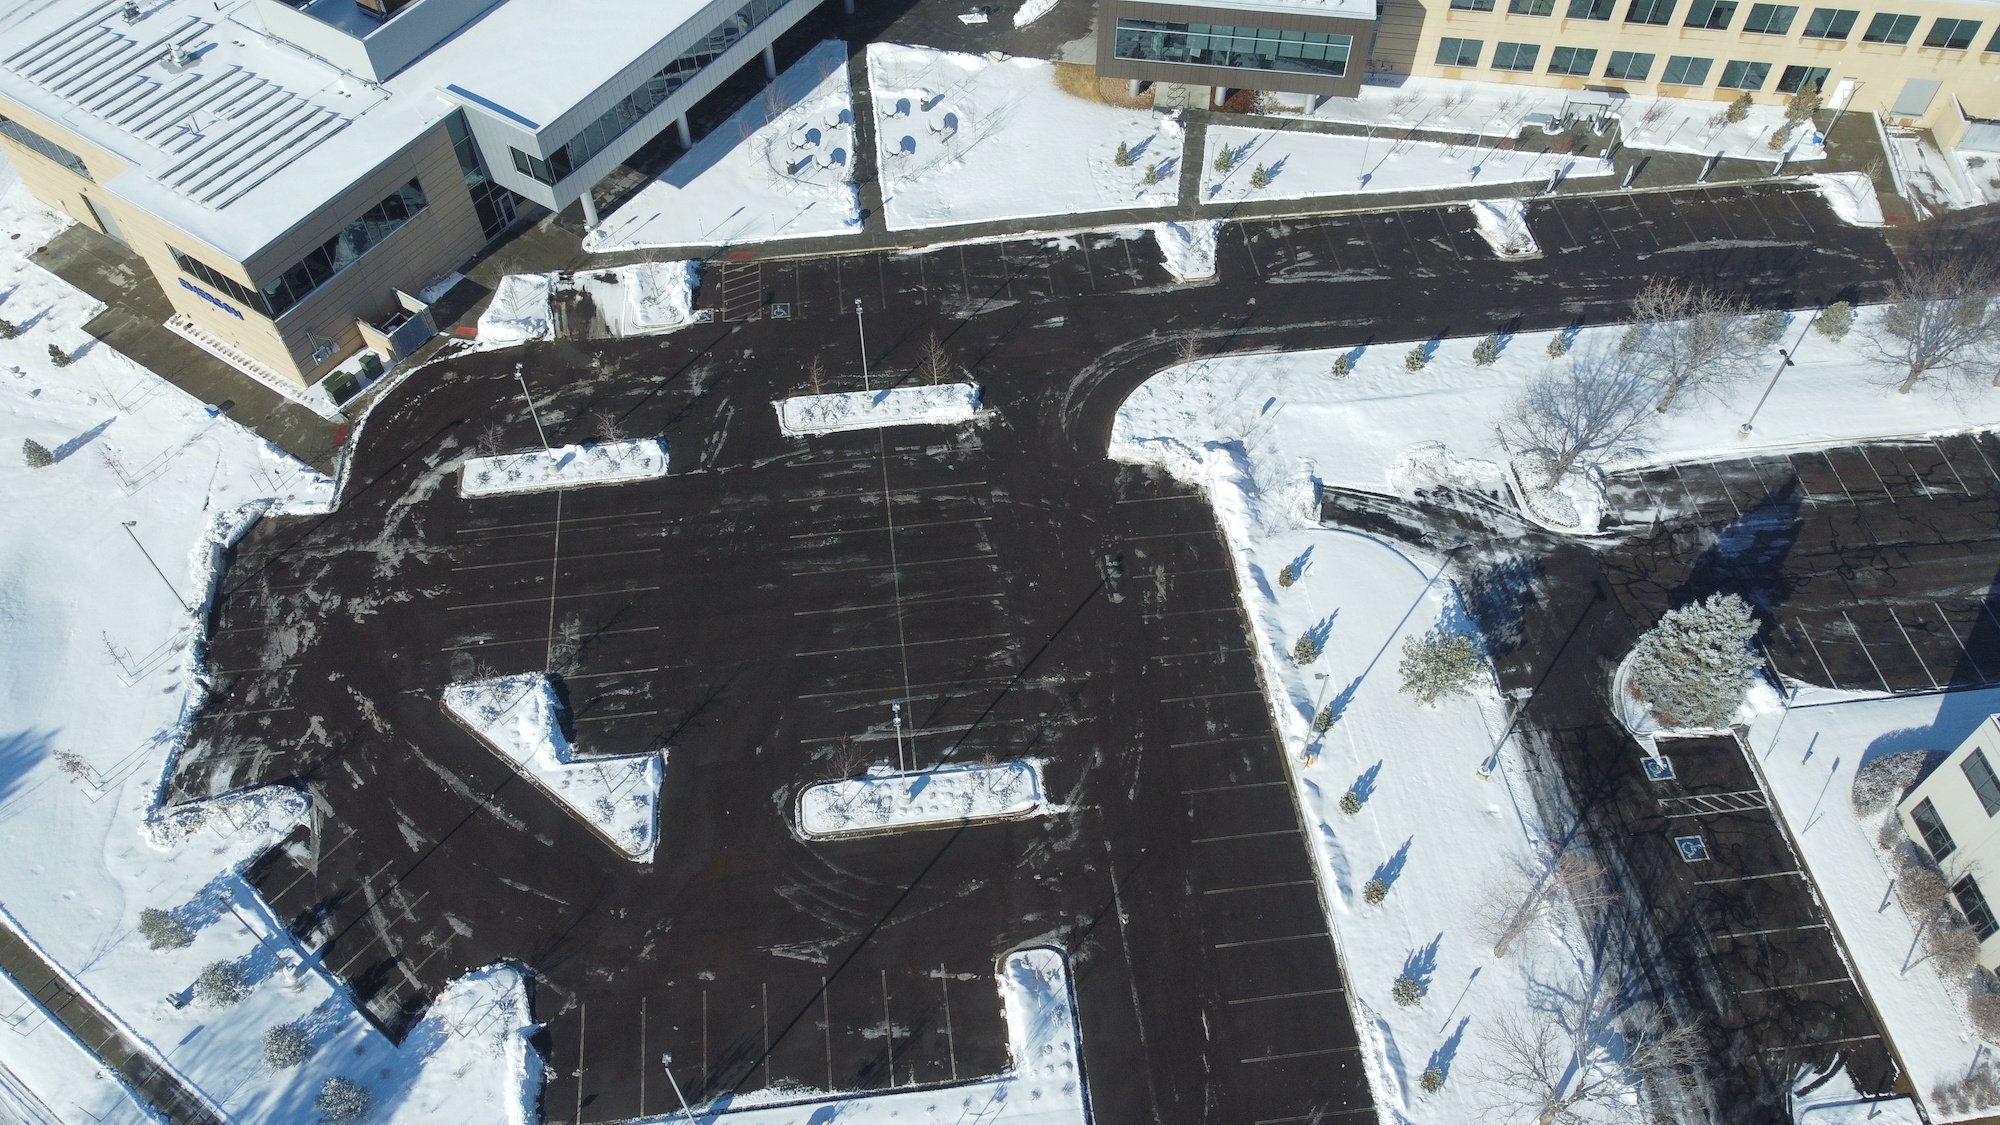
x,y
1495,109
103,673
1043,1083
565,466
47,1075
967,138
1188,247
1297,165
1503,223
943,404
883,800
780,167
644,299
520,718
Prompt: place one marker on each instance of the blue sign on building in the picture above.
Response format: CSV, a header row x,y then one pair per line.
x,y
211,298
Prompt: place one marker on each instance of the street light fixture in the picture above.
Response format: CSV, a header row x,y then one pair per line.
x,y
667,1064
1785,360
129,525
862,332
522,378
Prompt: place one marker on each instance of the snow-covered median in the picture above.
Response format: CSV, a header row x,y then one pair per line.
x,y
1188,248
1503,223
971,138
644,299
883,800
518,716
565,466
1851,195
941,405
519,311
1301,165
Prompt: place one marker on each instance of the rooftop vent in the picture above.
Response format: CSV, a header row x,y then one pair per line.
x,y
132,12
177,58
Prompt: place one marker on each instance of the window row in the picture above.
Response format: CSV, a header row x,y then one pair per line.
x,y
1891,28
1631,66
326,260
1251,48
34,142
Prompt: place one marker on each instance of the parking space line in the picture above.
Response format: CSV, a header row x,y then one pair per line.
x,y
1827,456
1863,450
809,570
1200,652
1790,987
1946,458
911,687
1612,234
614,716
1230,608
565,558
1211,695
1823,1043
1763,933
1913,647
1787,197
1170,535
907,603
1316,1116
218,672
1963,651
1724,486
836,533
1289,995
573,678
1269,940
1234,786
1242,836
544,640
1863,645
1831,681
1156,499
1259,887
568,521
878,492
909,644
1990,470
1259,737
556,597
1748,878
1301,1054
258,711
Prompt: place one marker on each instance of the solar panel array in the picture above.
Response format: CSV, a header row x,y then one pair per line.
x,y
223,129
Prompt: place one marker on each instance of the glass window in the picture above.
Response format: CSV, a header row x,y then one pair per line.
x,y
1769,19
1993,44
1973,903
1473,5
34,142
1459,52
1515,56
1738,74
1572,60
1590,9
1531,7
1980,774
1951,34
1241,47
1659,12
1830,23
1714,15
1629,66
1685,70
1887,27
1928,823
215,279
1797,78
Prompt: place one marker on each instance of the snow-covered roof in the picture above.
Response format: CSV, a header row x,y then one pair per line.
x,y
244,134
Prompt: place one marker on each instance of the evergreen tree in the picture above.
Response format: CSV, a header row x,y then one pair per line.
x,y
164,931
1835,320
286,1045
1693,668
1487,350
1260,177
1416,357
1559,345
8,329
1740,108
58,356
1438,664
342,1099
1768,328
1287,575
1341,366
1225,160
1306,649
1407,991
36,454
1123,158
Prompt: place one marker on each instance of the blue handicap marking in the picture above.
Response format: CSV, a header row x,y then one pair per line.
x,y
1693,848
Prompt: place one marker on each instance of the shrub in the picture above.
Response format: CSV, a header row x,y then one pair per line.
x,y
1740,108
1323,721
286,1045
1374,891
1438,664
1287,575
1416,357
1881,782
164,931
8,329
342,1099
1123,157
1984,1008
1559,345
1408,991
36,454
1431,1080
1487,350
1225,160
58,356
1305,650
1341,366
220,984
1260,177
1768,328
1350,802
1835,320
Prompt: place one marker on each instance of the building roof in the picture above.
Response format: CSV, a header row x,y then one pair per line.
x,y
237,136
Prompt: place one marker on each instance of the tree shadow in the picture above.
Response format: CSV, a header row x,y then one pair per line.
x,y
19,752
1323,629
1391,869
1340,703
85,438
1447,1052
1422,962
1748,555
1364,786
1497,596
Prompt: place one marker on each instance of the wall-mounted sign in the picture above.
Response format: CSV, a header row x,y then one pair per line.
x,y
211,298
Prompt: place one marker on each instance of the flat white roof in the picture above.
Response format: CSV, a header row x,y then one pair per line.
x,y
252,135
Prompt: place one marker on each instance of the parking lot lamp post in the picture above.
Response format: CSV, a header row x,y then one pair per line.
x,y
129,525
667,1064
862,332
522,377
1784,360
896,717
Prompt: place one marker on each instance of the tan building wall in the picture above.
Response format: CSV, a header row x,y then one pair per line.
x,y
1971,75
442,236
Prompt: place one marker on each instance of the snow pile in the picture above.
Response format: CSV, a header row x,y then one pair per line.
x,y
565,466
1851,195
1833,1100
1495,109
964,139
644,299
780,167
883,800
943,404
1808,756
1300,165
475,1037
1032,10
50,1076
519,311
518,716
1503,223
1188,247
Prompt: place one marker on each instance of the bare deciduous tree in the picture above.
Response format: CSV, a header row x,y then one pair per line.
x,y
1516,900
1939,320
1595,406
1580,1060
936,364
816,375
1692,336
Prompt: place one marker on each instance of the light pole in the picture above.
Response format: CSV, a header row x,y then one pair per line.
x,y
896,717
129,525
667,1064
522,378
862,332
1786,361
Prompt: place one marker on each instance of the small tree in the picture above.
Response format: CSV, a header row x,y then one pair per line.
x,y
1938,320
164,931
1323,719
1801,106
1287,575
1305,650
1123,157
1374,891
1439,663
342,1099
1582,1058
1225,161
1153,175
221,984
1260,177
286,1045
1559,345
1740,108
36,454
1835,320
1693,668
1768,328
1692,336
1416,357
1486,351
8,329
58,356
1341,366
1984,1008
936,364
1594,408
1431,1080
1350,802
816,375
1408,991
